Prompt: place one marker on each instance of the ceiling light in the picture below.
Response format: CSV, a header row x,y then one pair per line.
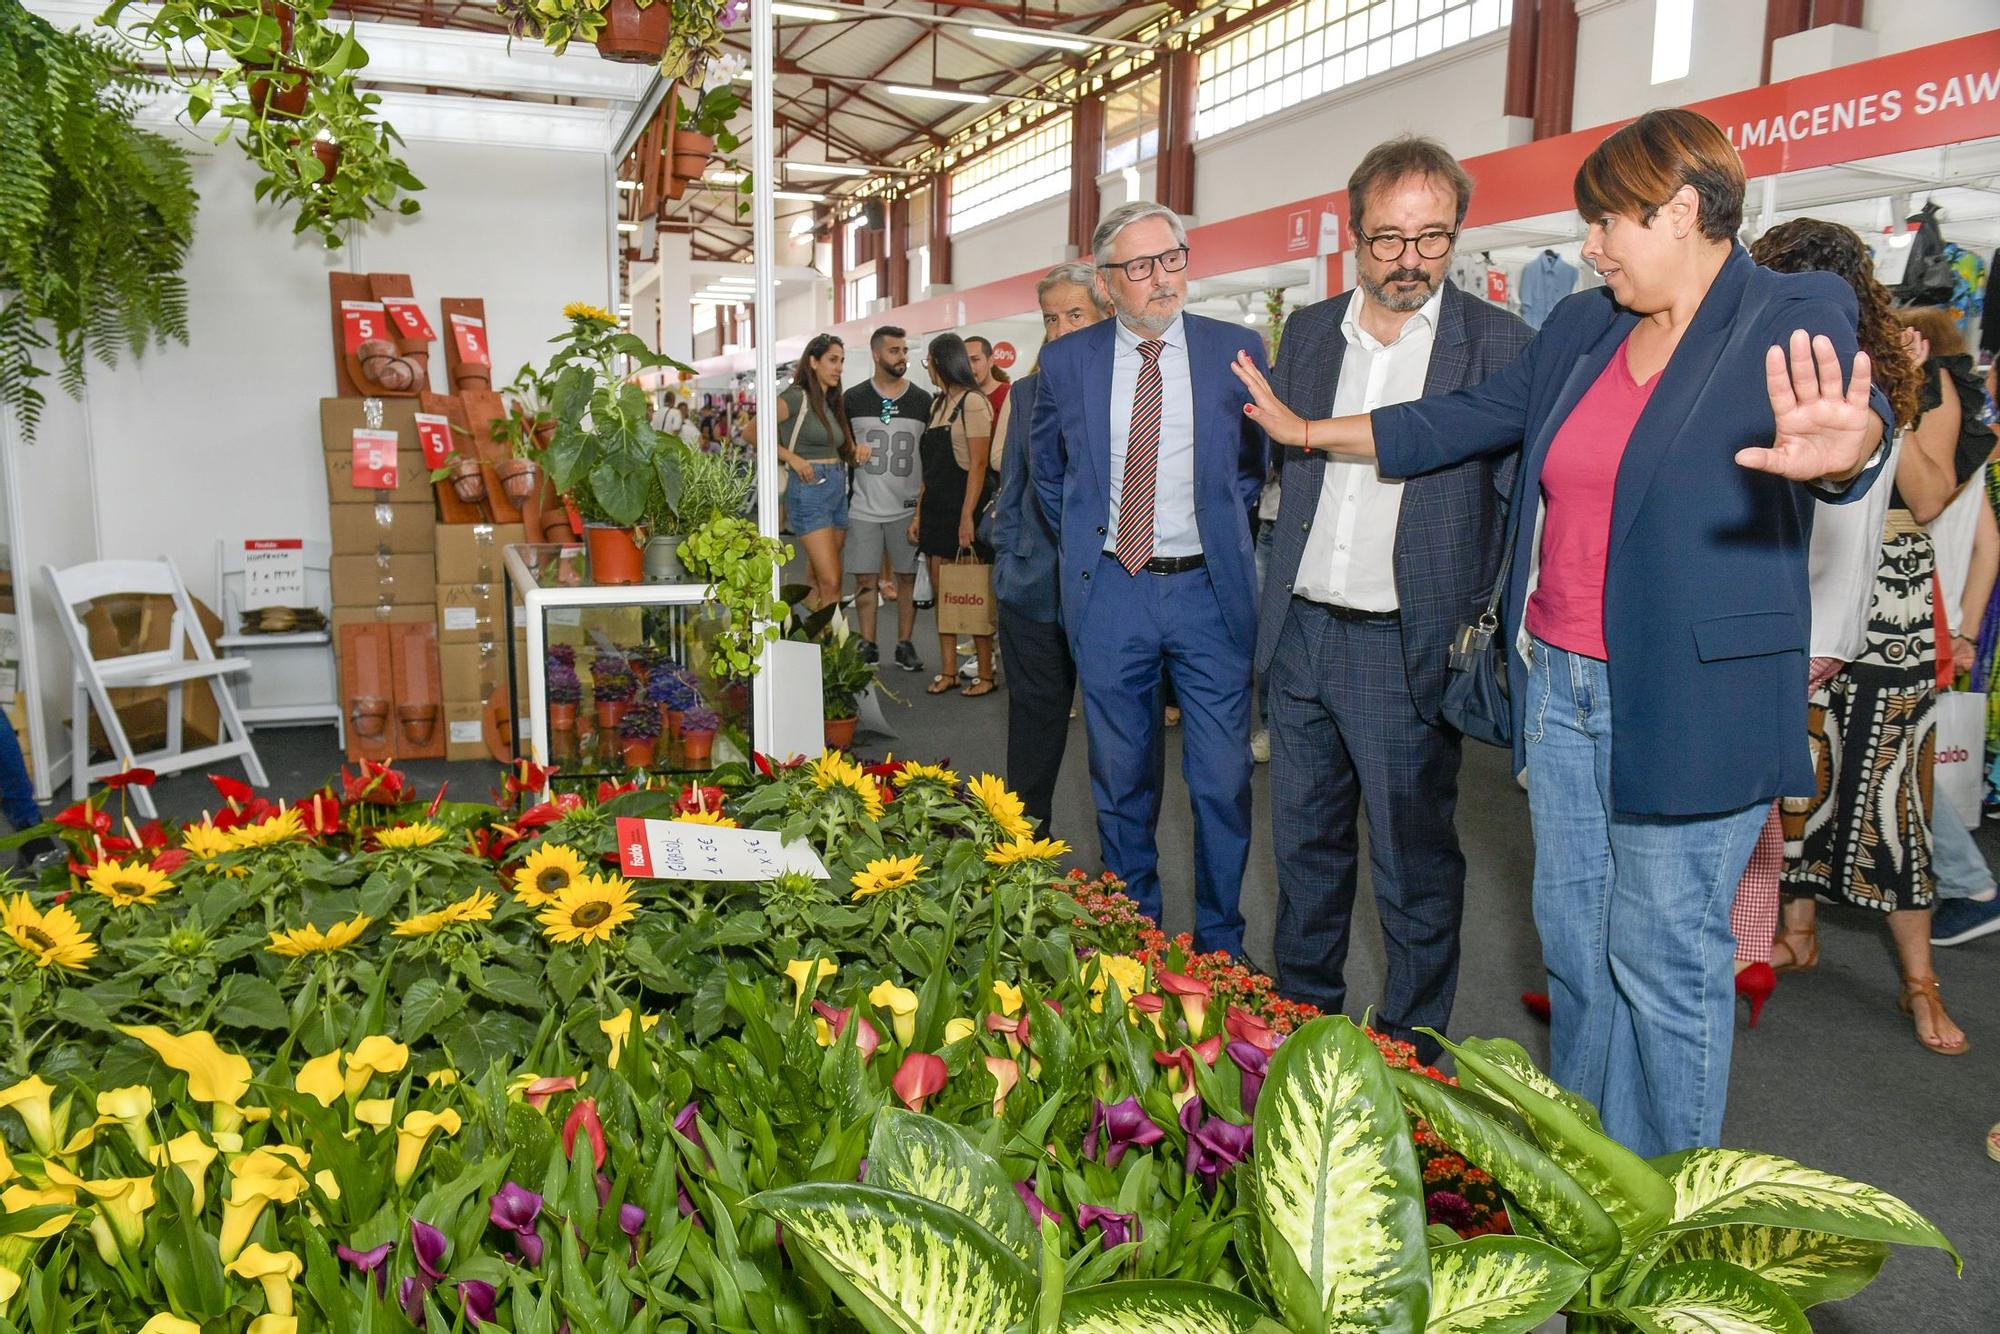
x,y
806,195
826,169
937,94
1053,40
724,177
628,185
628,226
810,13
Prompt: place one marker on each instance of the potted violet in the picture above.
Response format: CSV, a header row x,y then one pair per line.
x,y
611,685
673,689
698,728
564,690
639,735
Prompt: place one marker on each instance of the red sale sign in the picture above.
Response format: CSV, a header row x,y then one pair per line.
x,y
408,318
374,459
1496,285
469,331
1003,355
434,434
361,322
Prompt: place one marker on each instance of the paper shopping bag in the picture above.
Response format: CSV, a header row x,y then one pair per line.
x,y
1960,747
965,597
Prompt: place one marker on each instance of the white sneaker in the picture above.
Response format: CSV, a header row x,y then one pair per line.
x,y
1260,745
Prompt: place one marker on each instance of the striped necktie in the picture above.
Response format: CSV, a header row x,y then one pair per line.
x,y
1142,463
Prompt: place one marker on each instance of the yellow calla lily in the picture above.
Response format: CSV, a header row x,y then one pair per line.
x,y
8,1172
274,1324
30,1100
166,1322
1009,997
130,1107
375,1112
415,1132
376,1055
256,1179
804,972
215,1076
957,1030
192,1154
442,1078
619,1030
319,1079
18,1197
328,1183
10,1283
901,1004
275,1270
122,1202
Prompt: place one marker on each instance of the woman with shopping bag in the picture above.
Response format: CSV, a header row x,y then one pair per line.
x,y
953,451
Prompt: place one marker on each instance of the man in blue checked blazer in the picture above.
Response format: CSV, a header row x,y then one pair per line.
x,y
1369,582
1145,466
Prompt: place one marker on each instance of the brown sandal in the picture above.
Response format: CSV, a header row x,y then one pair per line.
x,y
1800,959
939,684
1921,1002
981,685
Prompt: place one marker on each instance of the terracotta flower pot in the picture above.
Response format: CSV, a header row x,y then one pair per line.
x,y
562,747
368,715
633,35
736,697
545,434
562,717
615,555
269,97
610,712
418,722
519,478
840,733
695,747
328,154
639,753
468,483
575,519
672,719
691,154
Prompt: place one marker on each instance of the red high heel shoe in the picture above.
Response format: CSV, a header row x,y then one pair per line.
x,y
1755,984
1537,1004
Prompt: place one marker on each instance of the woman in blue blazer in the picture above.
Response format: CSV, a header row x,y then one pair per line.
x,y
1671,456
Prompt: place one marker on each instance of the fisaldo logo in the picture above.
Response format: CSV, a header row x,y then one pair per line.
x,y
1953,755
965,599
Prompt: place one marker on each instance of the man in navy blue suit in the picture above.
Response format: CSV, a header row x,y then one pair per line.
x,y
1146,466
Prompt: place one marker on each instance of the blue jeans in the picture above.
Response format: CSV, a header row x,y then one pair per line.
x,y
1956,863
17,791
821,503
1633,912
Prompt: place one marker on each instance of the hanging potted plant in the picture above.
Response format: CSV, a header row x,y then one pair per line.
x,y
337,164
682,35
701,129
605,458
741,567
526,431
639,735
698,728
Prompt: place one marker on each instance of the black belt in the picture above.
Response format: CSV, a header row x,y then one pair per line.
x,y
1354,614
1174,564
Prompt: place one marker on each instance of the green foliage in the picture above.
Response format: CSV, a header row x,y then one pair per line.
x,y
96,215
606,456
365,173
696,38
742,566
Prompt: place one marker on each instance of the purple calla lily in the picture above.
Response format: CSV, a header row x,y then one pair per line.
x,y
477,1297
369,1262
410,1294
430,1246
1126,1126
1037,1211
684,1125
1253,1061
630,1219
516,1208
1117,1228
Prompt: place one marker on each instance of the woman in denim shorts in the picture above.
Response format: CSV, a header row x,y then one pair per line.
x,y
815,446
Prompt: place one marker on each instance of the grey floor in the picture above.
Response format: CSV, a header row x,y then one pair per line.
x,y
1831,1077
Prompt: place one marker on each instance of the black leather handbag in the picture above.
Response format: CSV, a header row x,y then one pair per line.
x,y
1476,699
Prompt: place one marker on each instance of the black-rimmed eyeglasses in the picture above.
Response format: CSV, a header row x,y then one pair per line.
x,y
1389,246
1140,269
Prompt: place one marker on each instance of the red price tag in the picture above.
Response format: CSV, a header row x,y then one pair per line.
x,y
469,332
408,318
362,321
375,460
434,434
1496,285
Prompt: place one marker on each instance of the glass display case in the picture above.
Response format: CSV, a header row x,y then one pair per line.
x,y
618,677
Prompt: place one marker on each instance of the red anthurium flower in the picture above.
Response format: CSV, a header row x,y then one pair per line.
x,y
131,778
583,1117
152,834
697,798
378,784
607,790
1242,1026
113,846
430,813
230,790
84,818
919,1077
320,813
769,770
527,779
168,860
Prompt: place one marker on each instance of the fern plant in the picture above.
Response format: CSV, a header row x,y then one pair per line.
x,y
96,215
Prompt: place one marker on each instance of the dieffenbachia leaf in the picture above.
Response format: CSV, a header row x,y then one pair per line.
x,y
1812,1267
922,1156
1513,1058
1562,1208
1340,1203
900,1264
1499,1285
1711,1297
1629,1189
1716,1186
1158,1307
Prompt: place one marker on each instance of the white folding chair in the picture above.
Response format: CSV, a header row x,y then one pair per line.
x,y
285,657
93,679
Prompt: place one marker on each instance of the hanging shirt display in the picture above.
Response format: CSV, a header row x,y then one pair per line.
x,y
1546,280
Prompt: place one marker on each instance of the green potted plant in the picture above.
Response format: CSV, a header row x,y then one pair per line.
x,y
741,566
337,164
683,35
526,431
699,486
844,676
605,455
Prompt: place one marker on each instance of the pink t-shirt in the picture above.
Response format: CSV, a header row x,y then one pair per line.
x,y
1579,478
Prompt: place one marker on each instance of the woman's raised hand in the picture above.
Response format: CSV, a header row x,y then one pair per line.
x,y
1279,422
1823,430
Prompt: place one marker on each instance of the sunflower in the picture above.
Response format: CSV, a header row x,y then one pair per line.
x,y
280,828
205,840
706,817
310,939
51,938
588,909
128,885
834,769
1001,806
583,310
886,873
475,908
916,773
1027,849
419,835
549,870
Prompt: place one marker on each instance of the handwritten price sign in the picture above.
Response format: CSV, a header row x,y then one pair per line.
x,y
668,850
274,572
361,322
469,331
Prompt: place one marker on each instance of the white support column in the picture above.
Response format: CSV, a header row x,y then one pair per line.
x,y
676,286
763,245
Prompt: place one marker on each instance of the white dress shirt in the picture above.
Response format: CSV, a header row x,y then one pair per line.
x,y
1174,531
1350,555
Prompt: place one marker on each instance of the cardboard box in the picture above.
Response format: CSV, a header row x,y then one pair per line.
x,y
361,530
413,480
340,418
363,581
143,623
371,614
472,673
465,732
470,613
470,553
